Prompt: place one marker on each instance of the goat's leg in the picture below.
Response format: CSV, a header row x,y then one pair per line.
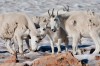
x,y
66,44
27,42
13,43
52,43
20,44
13,46
7,44
94,35
75,42
52,46
58,45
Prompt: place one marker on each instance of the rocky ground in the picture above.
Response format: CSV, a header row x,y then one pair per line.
x,y
43,56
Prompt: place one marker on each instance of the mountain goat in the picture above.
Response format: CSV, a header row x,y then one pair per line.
x,y
57,37
16,26
78,24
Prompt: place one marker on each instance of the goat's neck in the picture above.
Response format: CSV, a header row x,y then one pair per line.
x,y
62,25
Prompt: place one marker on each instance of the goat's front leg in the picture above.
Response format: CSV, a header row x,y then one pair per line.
x,y
13,41
52,43
75,42
58,45
52,46
7,44
20,44
28,45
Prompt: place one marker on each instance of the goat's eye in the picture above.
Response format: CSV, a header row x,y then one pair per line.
x,y
55,19
38,36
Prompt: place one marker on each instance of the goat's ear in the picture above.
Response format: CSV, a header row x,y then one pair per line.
x,y
92,13
66,9
44,20
35,18
47,25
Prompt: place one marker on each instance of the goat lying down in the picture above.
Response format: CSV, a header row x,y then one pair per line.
x,y
16,26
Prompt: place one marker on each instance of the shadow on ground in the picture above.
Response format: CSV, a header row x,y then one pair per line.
x,y
48,48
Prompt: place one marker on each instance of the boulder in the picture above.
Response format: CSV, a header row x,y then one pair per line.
x,y
61,59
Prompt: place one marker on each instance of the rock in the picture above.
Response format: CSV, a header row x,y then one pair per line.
x,y
2,56
11,64
97,63
11,59
57,60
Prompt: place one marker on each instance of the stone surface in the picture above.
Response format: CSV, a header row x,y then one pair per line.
x,y
11,64
11,59
97,63
57,60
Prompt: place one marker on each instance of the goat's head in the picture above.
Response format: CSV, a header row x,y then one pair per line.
x,y
53,21
43,25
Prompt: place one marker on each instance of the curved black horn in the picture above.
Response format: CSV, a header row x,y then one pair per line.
x,y
49,12
66,9
53,11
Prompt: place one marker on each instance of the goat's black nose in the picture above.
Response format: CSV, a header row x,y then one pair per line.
x,y
40,39
53,30
36,41
44,29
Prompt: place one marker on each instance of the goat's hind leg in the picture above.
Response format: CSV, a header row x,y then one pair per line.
x,y
76,38
66,44
7,44
94,35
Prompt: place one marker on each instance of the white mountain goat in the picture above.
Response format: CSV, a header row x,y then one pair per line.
x,y
57,37
16,26
78,24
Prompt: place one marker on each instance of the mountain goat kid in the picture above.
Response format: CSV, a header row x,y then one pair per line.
x,y
57,37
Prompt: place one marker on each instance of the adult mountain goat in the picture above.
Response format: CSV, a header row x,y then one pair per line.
x,y
78,24
16,26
